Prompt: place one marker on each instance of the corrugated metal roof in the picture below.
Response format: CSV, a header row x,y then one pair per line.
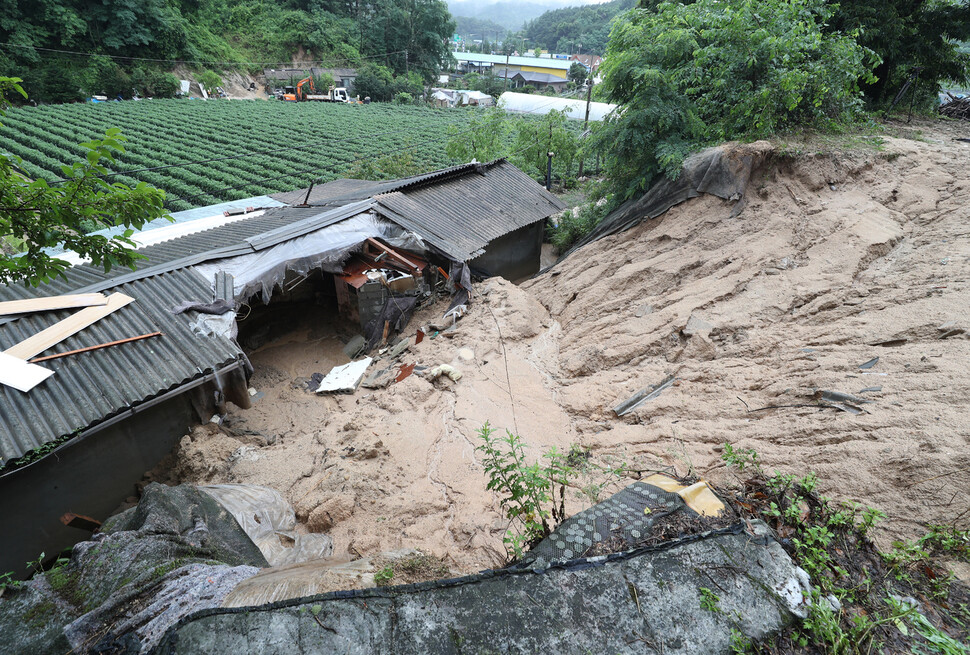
x,y
461,216
169,255
459,210
341,192
88,388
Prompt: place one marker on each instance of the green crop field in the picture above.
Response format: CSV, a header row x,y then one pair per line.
x,y
311,141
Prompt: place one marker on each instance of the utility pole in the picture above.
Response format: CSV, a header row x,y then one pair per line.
x,y
549,155
507,53
589,96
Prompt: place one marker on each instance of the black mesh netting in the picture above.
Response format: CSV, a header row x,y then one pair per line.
x,y
618,523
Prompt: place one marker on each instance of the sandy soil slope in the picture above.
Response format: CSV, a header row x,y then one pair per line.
x,y
835,260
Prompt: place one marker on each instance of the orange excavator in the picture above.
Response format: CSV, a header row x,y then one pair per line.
x,y
297,94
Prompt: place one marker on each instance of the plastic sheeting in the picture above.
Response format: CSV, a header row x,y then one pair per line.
x,y
344,378
723,171
327,249
526,103
270,522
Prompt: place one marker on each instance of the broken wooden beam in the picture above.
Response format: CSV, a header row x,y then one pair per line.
x,y
393,253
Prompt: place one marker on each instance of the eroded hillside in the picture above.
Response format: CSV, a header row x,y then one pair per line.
x,y
836,259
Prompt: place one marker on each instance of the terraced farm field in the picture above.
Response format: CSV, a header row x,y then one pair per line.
x,y
295,142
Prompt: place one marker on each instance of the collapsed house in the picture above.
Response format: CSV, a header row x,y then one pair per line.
x,y
166,347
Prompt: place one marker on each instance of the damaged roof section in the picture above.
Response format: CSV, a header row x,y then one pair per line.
x,y
91,387
458,211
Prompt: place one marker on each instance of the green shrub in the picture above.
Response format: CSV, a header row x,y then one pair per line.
x,y
209,79
694,74
575,224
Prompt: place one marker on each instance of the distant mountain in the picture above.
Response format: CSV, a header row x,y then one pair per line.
x,y
510,15
570,29
477,28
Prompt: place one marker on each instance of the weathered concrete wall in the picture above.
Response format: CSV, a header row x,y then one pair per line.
x,y
644,602
91,477
513,256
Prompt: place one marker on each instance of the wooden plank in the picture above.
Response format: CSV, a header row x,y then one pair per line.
x,y
16,373
393,253
52,303
97,347
63,329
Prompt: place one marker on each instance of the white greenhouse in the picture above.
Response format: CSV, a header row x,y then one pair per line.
x,y
525,103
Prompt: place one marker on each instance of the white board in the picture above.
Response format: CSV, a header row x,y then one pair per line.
x,y
51,303
344,378
61,330
22,375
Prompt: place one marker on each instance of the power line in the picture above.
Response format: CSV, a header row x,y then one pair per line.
x,y
283,64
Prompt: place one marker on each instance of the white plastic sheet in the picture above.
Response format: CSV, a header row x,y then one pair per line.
x,y
327,248
270,522
344,378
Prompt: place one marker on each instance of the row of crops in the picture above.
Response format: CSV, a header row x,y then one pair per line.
x,y
298,142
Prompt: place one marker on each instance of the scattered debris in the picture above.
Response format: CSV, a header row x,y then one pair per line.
x,y
355,346
344,378
699,496
871,389
872,362
697,325
81,522
643,310
444,369
957,108
641,397
406,371
950,329
399,348
269,520
842,401
890,343
379,379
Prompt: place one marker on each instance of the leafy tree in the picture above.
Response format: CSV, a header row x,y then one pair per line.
x,y
714,70
577,73
209,79
35,215
484,138
535,138
374,81
565,29
908,34
391,166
